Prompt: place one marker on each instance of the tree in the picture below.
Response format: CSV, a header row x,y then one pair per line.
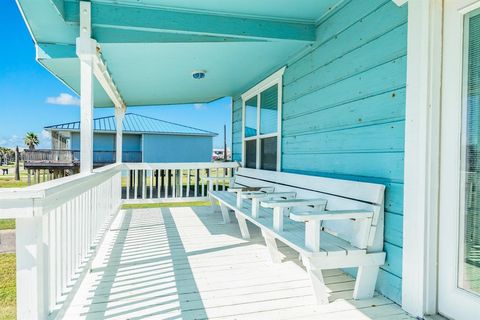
x,y
31,140
6,155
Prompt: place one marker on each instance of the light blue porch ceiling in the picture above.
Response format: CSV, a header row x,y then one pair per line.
x,y
151,47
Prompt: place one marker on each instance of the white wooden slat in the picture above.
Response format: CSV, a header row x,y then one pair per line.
x,y
174,183
188,183
165,190
195,189
127,189
144,181
151,184
181,183
368,192
202,182
135,184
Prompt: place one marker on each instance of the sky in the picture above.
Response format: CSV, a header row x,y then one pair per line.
x,y
32,98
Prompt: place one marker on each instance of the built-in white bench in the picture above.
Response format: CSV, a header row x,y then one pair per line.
x,y
332,223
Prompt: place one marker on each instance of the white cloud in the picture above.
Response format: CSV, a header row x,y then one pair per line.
x,y
200,106
11,141
64,99
46,134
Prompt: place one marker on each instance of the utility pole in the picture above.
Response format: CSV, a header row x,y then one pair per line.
x,y
17,164
225,143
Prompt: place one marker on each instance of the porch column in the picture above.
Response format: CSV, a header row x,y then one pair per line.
x,y
86,51
119,115
422,147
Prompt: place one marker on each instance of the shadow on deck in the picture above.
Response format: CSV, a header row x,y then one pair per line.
x,y
184,263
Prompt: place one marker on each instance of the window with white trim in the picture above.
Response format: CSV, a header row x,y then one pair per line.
x,y
262,120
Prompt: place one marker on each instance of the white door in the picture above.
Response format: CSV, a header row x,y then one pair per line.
x,y
459,233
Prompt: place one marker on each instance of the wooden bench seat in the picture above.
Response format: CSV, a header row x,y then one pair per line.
x,y
331,223
293,232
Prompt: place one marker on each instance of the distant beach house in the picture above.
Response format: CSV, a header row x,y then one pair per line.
x,y
145,139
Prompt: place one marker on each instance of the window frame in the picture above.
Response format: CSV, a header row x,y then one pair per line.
x,y
274,79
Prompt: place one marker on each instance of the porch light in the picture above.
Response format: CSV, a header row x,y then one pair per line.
x,y
198,74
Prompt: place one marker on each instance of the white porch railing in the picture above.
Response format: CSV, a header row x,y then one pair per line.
x,y
60,223
172,182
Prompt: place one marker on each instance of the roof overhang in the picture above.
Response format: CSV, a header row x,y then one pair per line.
x,y
151,48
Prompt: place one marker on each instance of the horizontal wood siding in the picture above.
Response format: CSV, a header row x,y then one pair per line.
x,y
237,130
344,111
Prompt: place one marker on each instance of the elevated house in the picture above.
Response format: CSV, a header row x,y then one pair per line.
x,y
145,139
365,111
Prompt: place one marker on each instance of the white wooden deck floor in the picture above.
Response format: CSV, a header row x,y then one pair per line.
x,y
183,263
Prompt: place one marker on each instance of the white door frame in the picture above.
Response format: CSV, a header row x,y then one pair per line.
x,y
422,155
453,301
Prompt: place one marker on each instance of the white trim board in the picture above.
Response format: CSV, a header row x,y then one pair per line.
x,y
422,157
274,79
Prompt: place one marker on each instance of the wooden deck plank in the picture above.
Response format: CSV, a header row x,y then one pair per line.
x,y
184,263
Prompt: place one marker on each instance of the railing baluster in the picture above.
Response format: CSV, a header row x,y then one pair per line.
x,y
174,184
188,183
158,183
135,184
128,185
151,184
144,173
52,259
167,182
181,183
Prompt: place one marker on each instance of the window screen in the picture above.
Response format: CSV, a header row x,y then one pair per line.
x,y
251,154
251,117
268,157
469,274
269,110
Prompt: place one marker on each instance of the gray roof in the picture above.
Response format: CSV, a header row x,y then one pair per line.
x,y
134,123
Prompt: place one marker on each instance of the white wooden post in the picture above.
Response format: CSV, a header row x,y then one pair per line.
x,y
86,51
422,146
119,115
312,235
32,268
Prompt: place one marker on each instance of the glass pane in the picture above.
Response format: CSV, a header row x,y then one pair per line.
x,y
469,266
251,117
251,154
268,154
269,110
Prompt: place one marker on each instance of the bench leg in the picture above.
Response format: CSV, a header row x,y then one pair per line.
x,y
225,213
213,205
320,290
365,283
272,247
242,223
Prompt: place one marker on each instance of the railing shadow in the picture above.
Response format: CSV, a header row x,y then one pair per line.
x,y
145,273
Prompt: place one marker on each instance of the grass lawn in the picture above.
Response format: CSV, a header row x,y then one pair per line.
x,y
7,286
7,224
8,180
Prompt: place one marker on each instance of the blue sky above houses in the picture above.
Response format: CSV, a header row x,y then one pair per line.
x,y
32,98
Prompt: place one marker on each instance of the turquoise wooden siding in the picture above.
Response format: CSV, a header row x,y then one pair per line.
x,y
237,130
177,148
344,111
106,142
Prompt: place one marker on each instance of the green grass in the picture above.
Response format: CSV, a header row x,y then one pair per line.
x,y
7,286
8,181
7,224
166,205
